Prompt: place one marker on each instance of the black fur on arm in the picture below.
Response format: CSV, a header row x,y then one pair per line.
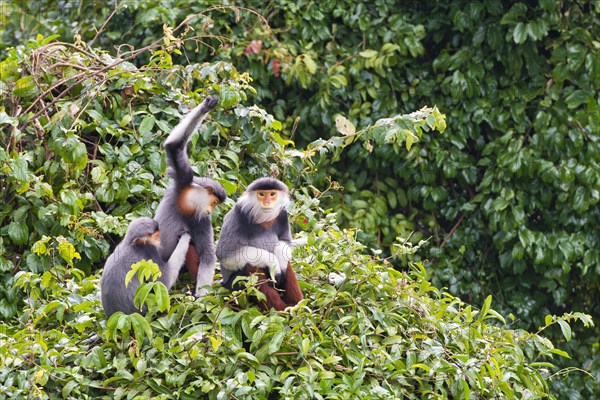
x,y
284,232
179,166
176,144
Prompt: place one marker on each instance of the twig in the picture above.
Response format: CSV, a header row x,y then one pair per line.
x,y
74,66
133,54
454,228
286,353
112,14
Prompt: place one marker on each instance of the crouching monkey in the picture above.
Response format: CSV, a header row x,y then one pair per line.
x,y
256,239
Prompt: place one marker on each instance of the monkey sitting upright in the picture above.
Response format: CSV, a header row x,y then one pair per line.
x,y
189,202
256,239
141,242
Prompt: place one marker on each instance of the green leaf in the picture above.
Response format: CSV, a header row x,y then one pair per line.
x,y
527,238
496,315
390,340
466,389
577,98
537,29
68,388
79,156
96,116
67,250
147,124
392,199
18,232
229,186
228,97
344,126
520,33
40,247
338,81
305,346
141,327
311,65
565,329
424,367
25,88
6,119
276,125
130,275
368,53
560,353
142,292
486,307
20,169
162,296
332,360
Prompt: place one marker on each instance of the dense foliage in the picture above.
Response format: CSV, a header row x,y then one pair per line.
x,y
377,333
507,196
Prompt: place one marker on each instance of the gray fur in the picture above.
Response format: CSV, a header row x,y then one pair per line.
x,y
114,294
244,241
168,214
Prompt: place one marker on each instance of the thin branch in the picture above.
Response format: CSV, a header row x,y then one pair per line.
x,y
133,54
454,228
74,66
112,14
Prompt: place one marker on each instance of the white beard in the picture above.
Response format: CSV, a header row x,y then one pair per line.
x,y
252,207
198,199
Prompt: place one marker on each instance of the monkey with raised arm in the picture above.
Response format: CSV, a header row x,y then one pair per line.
x,y
141,242
189,202
256,239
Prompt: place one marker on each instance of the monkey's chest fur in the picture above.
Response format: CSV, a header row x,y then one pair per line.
x,y
243,242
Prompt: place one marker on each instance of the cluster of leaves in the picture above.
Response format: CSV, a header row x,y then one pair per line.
x,y
81,141
378,332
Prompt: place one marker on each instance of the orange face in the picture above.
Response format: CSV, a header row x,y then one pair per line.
x,y
267,198
151,239
213,202
155,238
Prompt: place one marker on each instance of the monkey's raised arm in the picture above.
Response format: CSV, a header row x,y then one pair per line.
x,y
176,143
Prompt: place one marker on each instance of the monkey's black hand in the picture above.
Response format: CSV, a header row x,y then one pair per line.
x,y
210,102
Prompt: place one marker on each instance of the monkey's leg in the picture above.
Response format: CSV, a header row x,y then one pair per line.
x,y
293,294
192,259
273,299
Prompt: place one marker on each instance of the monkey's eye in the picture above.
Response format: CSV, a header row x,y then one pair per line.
x,y
261,194
215,203
273,194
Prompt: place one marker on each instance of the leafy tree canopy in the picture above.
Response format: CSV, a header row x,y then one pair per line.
x,y
506,198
